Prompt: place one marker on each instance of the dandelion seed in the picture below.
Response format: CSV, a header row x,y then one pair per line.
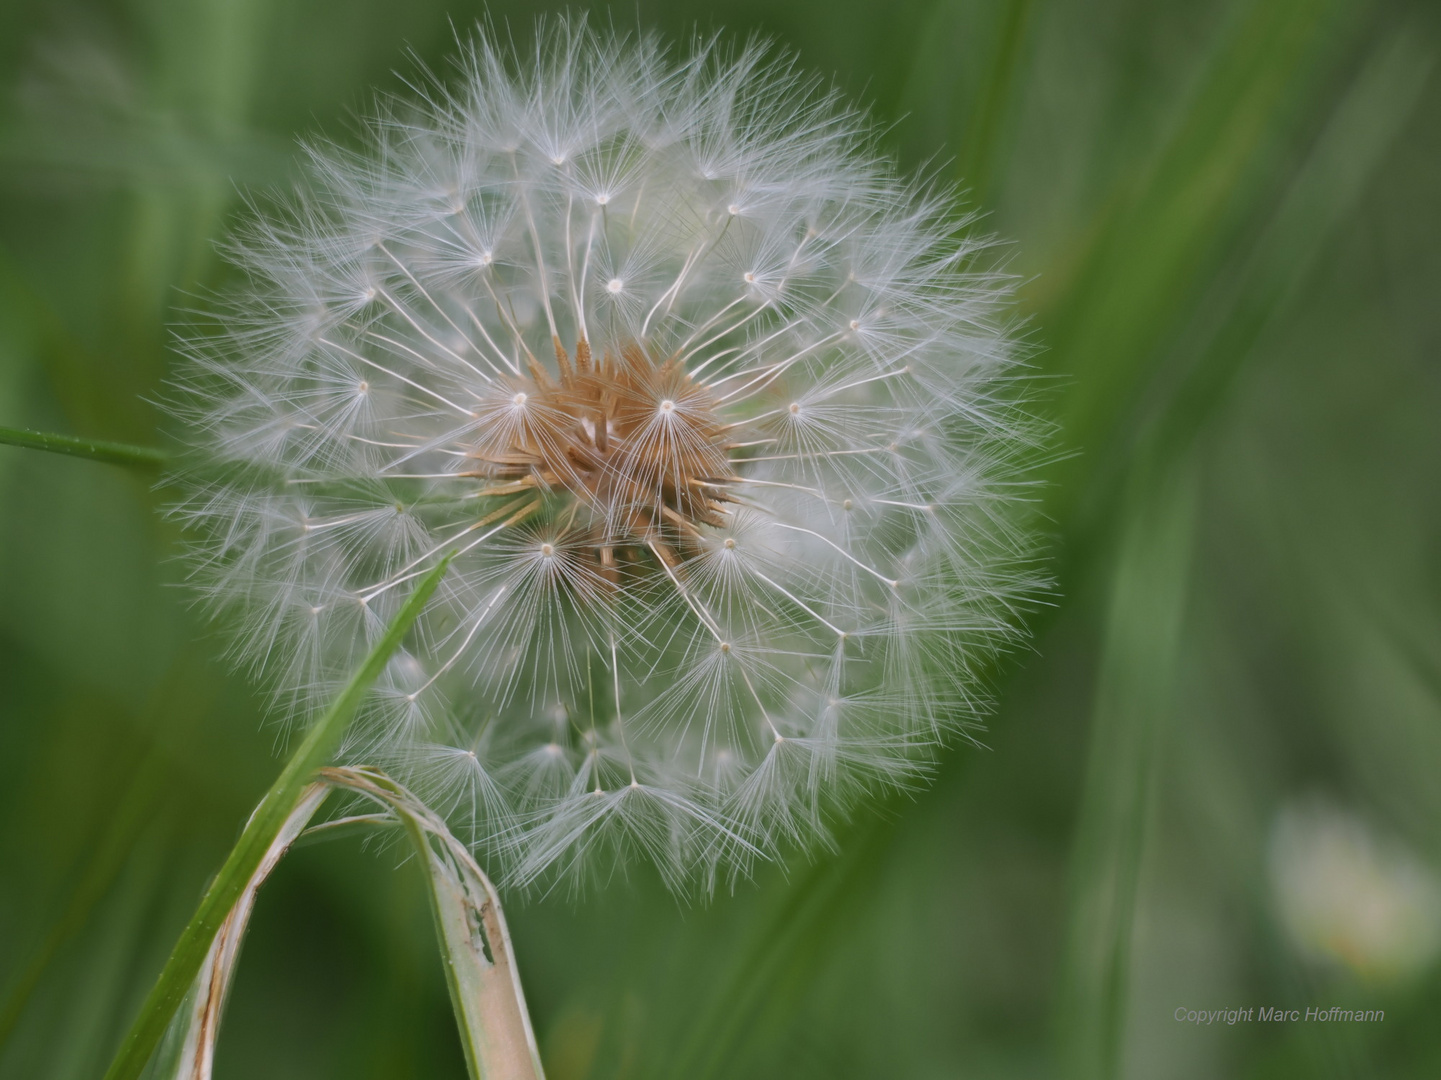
x,y
710,408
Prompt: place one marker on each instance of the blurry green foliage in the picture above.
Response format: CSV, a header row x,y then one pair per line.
x,y
1227,227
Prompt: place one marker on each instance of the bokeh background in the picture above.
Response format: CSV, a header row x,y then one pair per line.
x,y
1212,781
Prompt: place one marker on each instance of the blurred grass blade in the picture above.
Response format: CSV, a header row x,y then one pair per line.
x,y
1133,700
108,856
480,969
976,161
764,987
94,394
196,1059
1160,240
1361,131
112,453
264,825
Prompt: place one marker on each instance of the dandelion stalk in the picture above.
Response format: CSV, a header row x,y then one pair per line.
x,y
314,751
111,453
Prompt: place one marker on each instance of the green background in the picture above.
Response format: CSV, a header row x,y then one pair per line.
x,y
1224,217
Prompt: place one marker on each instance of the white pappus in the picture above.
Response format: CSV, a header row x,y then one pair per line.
x,y
715,411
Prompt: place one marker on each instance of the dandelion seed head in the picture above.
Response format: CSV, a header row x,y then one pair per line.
x,y
710,408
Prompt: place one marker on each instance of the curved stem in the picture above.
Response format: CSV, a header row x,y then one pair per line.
x,y
112,453
260,833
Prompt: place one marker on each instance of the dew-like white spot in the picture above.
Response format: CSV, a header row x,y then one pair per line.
x,y
733,209
547,550
667,406
601,200
614,285
795,408
730,541
520,398
750,277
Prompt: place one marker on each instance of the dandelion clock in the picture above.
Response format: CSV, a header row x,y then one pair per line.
x,y
710,411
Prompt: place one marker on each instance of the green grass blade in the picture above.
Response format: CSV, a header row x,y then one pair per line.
x,y
1159,242
763,986
1361,131
480,969
1133,700
265,824
476,954
490,1011
976,161
195,1037
109,855
112,453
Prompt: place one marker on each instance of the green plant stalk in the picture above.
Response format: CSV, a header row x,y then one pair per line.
x,y
264,825
112,453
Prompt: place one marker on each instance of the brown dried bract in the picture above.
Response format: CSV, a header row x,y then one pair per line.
x,y
636,442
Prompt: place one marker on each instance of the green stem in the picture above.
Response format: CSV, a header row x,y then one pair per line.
x,y
315,751
112,453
